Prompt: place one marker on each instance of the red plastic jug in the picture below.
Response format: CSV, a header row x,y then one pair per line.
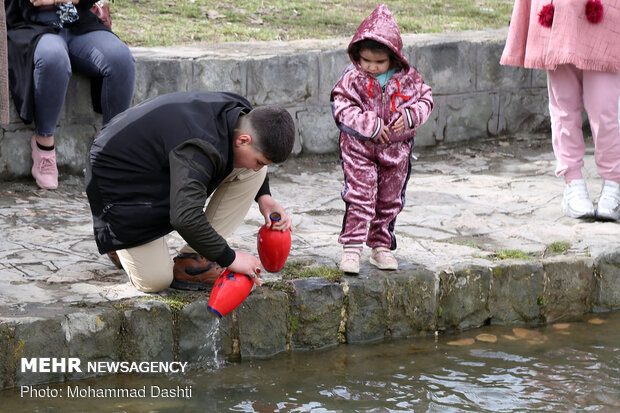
x,y
229,290
273,246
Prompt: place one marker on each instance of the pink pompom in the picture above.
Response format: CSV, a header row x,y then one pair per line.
x,y
594,11
545,16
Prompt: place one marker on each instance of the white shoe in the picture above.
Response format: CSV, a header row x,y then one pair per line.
x,y
608,207
576,202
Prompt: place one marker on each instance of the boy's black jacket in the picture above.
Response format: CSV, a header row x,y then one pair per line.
x,y
152,168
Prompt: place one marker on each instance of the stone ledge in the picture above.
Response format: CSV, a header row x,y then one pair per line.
x,y
475,97
315,313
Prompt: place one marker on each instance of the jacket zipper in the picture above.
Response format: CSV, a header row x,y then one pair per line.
x,y
382,103
107,207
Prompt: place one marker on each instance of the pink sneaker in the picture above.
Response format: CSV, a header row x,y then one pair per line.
x,y
383,259
44,168
351,260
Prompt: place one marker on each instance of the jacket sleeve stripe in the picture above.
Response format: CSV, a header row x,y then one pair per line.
x,y
409,118
378,128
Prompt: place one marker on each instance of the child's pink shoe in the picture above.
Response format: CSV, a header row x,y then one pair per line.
x,y
350,261
383,259
44,168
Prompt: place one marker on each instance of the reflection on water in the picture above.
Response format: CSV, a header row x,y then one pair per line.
x,y
563,367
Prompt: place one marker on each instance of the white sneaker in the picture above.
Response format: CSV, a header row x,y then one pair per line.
x,y
576,202
608,207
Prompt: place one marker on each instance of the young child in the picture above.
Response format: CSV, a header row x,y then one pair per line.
x,y
578,43
378,103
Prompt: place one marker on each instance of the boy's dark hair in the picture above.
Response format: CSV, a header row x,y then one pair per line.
x,y
274,132
368,44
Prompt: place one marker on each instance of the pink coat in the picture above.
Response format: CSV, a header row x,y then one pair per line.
x,y
571,39
360,107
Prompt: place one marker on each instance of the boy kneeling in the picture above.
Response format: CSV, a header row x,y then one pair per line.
x,y
152,168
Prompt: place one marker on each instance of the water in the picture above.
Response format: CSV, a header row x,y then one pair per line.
x,y
561,368
211,343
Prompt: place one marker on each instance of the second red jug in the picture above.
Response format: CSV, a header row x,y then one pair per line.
x,y
273,246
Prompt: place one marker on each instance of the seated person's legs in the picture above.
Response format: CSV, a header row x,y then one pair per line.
x,y
102,54
148,266
52,71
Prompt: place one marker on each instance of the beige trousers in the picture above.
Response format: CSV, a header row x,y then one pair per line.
x,y
149,266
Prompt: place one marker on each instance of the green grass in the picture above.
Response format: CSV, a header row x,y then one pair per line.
x,y
512,254
176,300
559,247
167,22
301,269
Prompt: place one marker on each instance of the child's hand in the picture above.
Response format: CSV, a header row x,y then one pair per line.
x,y
383,138
399,125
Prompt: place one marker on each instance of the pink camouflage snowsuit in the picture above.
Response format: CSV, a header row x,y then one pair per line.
x,y
376,174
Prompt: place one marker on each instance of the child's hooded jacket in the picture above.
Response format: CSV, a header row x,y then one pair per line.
x,y
361,108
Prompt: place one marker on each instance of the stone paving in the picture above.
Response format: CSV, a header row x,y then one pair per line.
x,y
465,204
